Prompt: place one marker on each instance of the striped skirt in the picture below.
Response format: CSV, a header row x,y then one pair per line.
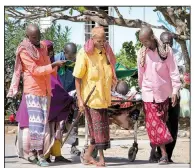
x,y
37,111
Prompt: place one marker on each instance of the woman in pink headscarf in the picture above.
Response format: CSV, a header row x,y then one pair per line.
x,y
95,67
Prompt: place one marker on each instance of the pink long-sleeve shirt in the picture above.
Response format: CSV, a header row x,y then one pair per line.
x,y
158,79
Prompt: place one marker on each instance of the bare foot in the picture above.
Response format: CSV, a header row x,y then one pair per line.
x,y
101,163
88,160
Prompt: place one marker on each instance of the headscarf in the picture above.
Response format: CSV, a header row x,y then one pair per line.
x,y
49,44
162,51
33,53
89,49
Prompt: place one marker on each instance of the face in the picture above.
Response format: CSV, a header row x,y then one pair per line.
x,y
146,40
99,41
34,37
167,40
70,55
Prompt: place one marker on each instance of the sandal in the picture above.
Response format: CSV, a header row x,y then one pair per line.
x,y
42,163
33,159
163,160
48,160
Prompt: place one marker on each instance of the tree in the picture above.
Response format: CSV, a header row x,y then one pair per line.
x,y
178,17
14,33
127,55
57,36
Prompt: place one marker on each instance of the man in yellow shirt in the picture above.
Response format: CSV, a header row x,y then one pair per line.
x,y
95,67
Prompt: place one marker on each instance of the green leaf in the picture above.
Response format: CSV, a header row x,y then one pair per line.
x,y
155,10
71,11
80,9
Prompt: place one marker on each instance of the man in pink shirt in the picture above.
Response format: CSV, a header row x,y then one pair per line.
x,y
33,61
159,79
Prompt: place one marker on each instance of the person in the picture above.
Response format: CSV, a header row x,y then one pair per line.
x,y
173,112
95,67
158,78
61,104
68,82
32,60
122,88
167,38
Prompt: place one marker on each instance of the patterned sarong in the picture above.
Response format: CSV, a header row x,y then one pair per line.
x,y
155,118
98,125
37,111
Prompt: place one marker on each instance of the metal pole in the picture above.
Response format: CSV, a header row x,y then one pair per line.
x,y
144,13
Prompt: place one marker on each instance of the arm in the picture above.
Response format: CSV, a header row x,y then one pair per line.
x,y
173,72
35,69
78,88
54,70
79,72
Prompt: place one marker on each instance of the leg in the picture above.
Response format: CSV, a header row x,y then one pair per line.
x,y
164,158
163,150
172,124
88,159
32,157
101,134
56,151
56,148
101,162
74,150
153,154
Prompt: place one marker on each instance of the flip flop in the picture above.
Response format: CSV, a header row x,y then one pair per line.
x,y
34,160
163,160
42,163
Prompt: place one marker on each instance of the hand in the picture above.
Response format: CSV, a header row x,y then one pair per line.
x,y
58,63
82,108
174,100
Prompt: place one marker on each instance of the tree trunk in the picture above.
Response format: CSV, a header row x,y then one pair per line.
x,y
185,54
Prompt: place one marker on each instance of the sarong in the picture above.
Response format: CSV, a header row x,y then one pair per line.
x,y
155,118
37,107
98,125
